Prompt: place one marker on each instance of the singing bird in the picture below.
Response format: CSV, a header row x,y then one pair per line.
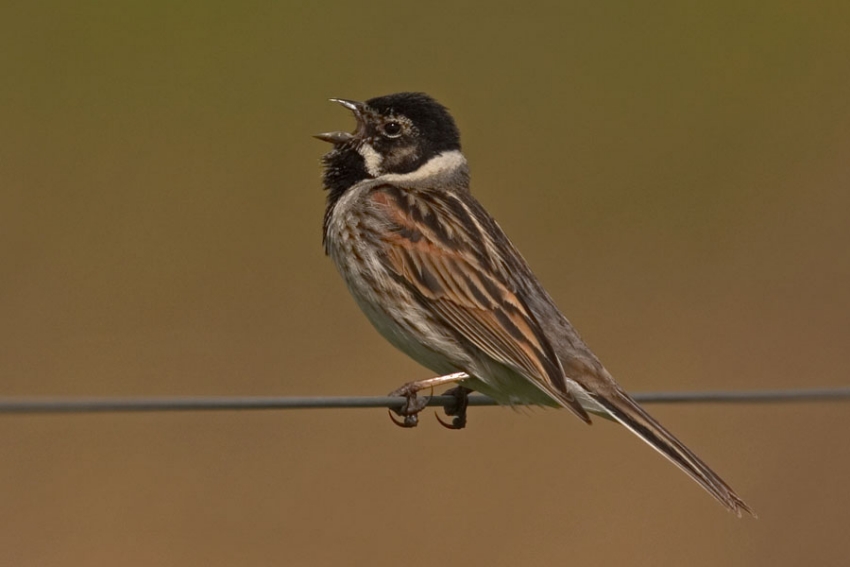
x,y
440,280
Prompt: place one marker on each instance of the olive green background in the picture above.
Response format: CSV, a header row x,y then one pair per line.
x,y
677,174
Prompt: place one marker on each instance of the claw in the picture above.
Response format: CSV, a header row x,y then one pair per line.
x,y
411,408
456,409
456,423
408,421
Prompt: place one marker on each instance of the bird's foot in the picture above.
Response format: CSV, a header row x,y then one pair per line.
x,y
457,409
412,406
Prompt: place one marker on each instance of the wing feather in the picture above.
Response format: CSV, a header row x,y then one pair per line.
x,y
437,252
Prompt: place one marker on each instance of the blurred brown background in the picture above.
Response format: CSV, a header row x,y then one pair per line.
x,y
677,176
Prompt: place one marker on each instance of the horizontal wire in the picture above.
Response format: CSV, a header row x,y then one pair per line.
x,y
102,405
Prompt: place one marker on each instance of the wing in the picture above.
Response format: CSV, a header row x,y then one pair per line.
x,y
454,257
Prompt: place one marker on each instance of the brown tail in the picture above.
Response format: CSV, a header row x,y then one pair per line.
x,y
625,410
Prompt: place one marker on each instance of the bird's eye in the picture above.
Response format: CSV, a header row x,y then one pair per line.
x,y
392,129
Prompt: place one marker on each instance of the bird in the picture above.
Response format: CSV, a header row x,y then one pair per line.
x,y
439,279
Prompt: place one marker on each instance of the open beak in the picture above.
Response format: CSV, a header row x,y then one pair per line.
x,y
343,137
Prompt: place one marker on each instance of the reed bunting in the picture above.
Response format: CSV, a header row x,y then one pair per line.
x,y
439,279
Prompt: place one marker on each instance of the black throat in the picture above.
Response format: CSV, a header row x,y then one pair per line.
x,y
344,167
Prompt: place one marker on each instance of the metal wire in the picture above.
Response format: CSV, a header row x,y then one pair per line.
x,y
103,405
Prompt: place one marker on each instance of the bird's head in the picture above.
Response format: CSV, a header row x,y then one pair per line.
x,y
395,134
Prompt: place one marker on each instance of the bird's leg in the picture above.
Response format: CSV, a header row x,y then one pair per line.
x,y
457,409
413,404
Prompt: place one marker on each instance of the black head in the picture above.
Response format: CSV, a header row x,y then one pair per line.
x,y
396,133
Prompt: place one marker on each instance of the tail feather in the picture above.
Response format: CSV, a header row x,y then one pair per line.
x,y
627,411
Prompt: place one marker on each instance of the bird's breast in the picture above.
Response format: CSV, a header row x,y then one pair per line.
x,y
353,236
